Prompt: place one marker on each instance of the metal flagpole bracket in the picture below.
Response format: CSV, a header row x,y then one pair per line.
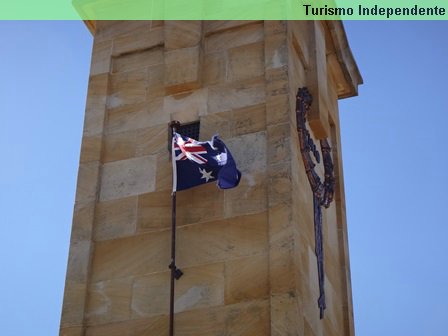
x,y
177,271
173,126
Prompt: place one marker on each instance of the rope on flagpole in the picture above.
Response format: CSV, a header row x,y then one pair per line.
x,y
175,272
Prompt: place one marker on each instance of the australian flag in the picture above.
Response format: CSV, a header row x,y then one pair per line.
x,y
196,163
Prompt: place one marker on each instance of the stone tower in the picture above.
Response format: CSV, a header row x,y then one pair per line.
x,y
247,253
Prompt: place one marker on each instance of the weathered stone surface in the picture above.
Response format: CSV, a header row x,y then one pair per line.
x,y
279,183
187,107
109,301
332,272
331,229
234,37
311,292
215,68
96,105
74,300
74,331
182,34
156,81
286,315
116,218
135,255
333,108
112,29
248,318
201,287
154,211
130,118
242,319
151,140
282,270
336,81
277,82
86,189
234,123
214,26
249,152
111,329
128,108
216,241
276,51
158,115
137,60
208,322
318,114
280,223
232,96
246,62
127,88
247,279
306,219
334,312
297,73
200,204
278,144
149,295
142,38
164,175
249,120
83,217
308,331
91,148
101,57
78,261
249,197
157,325
217,123
119,146
300,35
178,76
128,178
277,109
272,27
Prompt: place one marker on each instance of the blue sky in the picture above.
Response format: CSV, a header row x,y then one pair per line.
x,y
394,138
44,69
394,152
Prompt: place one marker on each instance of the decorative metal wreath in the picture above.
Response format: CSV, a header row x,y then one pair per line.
x,y
322,192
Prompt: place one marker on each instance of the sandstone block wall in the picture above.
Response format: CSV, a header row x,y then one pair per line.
x,y
247,253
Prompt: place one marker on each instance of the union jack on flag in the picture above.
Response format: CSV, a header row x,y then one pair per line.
x,y
196,163
189,150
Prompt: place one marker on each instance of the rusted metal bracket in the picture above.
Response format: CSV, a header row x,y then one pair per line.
x,y
322,192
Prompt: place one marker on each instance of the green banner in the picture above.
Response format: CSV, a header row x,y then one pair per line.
x,y
224,9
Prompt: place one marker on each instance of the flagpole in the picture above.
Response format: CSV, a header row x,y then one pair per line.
x,y
173,262
175,272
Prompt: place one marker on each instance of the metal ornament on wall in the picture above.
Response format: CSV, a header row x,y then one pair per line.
x,y
323,192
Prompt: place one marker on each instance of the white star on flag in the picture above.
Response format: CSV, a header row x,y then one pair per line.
x,y
205,175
